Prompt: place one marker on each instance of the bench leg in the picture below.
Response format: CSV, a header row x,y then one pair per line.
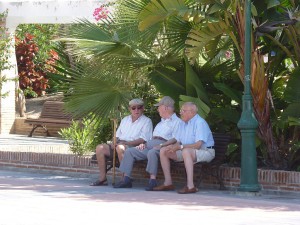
x,y
221,182
33,128
214,172
47,132
109,164
199,176
108,168
36,126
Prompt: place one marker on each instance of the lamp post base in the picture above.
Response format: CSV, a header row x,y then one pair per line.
x,y
249,188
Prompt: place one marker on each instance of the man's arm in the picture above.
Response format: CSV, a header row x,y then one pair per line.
x,y
132,143
178,146
169,142
196,145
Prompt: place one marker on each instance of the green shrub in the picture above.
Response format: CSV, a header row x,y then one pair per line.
x,y
84,136
30,93
80,136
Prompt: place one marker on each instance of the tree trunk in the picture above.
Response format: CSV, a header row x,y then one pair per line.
x,y
262,108
265,133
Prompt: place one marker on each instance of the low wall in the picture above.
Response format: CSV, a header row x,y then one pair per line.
x,y
270,180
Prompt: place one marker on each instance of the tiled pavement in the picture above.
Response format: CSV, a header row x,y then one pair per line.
x,y
23,143
15,139
33,198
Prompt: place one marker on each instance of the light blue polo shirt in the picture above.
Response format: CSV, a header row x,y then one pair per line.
x,y
196,129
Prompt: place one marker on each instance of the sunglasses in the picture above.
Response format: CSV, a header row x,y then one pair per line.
x,y
136,107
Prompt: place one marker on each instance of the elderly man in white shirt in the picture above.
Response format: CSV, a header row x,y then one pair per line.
x,y
163,131
134,130
193,143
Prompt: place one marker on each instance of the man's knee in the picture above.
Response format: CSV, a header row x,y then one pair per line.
x,y
188,153
102,149
152,154
120,148
185,153
163,152
129,152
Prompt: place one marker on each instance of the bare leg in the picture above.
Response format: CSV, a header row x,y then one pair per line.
x,y
120,151
189,159
165,164
102,150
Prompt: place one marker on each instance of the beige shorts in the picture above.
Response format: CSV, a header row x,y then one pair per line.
x,y
202,155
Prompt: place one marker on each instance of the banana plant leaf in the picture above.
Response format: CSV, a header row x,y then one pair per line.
x,y
203,109
293,121
168,82
291,111
230,92
292,91
227,114
194,86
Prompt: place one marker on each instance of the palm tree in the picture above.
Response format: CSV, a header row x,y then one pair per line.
x,y
212,22
119,56
167,41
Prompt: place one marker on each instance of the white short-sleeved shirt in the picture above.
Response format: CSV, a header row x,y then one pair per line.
x,y
196,129
166,128
130,131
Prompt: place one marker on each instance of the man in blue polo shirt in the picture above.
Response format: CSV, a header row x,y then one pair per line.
x,y
193,143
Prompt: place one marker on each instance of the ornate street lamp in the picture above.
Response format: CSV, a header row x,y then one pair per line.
x,y
248,123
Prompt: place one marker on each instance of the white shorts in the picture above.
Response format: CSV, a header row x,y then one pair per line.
x,y
202,155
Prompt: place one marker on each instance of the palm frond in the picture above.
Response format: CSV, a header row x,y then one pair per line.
x,y
100,95
200,36
176,33
157,11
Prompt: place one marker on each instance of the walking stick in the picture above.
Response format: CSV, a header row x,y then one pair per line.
x,y
114,148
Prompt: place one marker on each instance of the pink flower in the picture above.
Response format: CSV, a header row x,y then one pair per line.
x,y
100,13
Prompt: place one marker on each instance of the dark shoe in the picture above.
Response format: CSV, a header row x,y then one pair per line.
x,y
186,190
152,184
99,183
164,188
126,183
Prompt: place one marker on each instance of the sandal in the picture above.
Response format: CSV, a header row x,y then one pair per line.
x,y
99,183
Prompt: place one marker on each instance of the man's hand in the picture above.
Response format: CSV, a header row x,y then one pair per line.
x,y
157,147
141,147
172,148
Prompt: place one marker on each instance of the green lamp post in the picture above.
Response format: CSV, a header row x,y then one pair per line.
x,y
248,123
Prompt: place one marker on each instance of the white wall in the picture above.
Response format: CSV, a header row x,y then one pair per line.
x,y
48,11
28,12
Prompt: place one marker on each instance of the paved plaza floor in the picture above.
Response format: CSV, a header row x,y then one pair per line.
x,y
28,197
23,143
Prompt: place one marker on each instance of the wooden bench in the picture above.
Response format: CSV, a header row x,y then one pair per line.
x,y
212,168
52,115
201,169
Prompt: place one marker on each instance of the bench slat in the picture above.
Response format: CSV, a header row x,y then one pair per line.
x,y
53,115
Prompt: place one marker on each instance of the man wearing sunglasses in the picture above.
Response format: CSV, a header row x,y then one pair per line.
x,y
193,143
134,130
163,131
